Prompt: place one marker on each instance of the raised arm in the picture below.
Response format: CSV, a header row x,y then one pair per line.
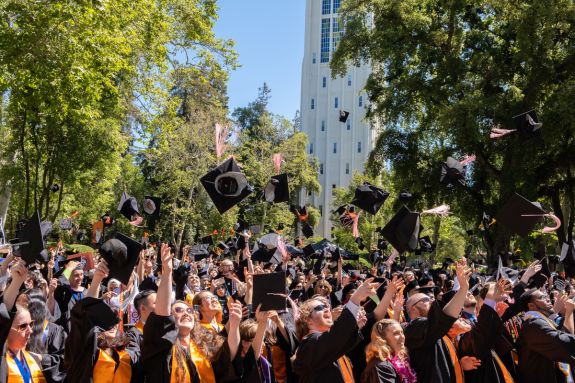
x,y
453,308
100,273
164,294
18,273
392,287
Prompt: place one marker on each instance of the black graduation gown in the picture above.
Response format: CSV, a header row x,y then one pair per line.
x,y
160,334
50,364
380,372
136,339
540,346
317,355
357,355
479,342
82,352
64,297
429,356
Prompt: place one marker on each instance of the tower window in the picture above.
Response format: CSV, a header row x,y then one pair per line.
x,y
320,168
359,146
348,124
323,82
325,7
360,100
323,125
313,103
348,80
313,57
311,148
335,147
336,103
347,168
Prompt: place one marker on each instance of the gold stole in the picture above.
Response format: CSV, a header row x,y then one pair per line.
x,y
140,326
105,370
14,373
506,375
202,364
208,326
456,366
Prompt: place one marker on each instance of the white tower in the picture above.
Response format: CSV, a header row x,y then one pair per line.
x,y
341,148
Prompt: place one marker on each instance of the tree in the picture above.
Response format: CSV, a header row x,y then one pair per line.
x,y
445,73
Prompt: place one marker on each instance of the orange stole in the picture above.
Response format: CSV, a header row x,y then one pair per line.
x,y
140,326
105,370
345,368
453,354
506,375
202,364
14,373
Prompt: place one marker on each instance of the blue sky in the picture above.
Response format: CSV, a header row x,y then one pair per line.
x,y
269,36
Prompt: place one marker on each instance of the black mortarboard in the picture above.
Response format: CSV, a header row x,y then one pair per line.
x,y
207,240
270,291
128,207
97,312
306,230
199,252
369,198
382,244
151,206
121,254
268,255
343,115
240,225
303,217
402,231
34,233
452,172
107,220
359,242
540,279
426,245
527,123
405,196
277,189
520,215
54,188
226,185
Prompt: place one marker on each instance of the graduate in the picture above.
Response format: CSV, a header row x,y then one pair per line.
x,y
177,349
324,342
433,355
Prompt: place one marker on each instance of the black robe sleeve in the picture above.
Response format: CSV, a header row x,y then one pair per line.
x,y
6,318
380,372
424,332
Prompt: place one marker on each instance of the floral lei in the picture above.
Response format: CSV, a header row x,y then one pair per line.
x,y
403,369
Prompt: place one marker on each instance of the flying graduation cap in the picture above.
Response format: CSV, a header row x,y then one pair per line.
x,y
31,237
121,254
343,115
520,216
303,218
226,185
151,206
277,189
568,258
453,171
527,124
369,198
128,207
402,231
270,290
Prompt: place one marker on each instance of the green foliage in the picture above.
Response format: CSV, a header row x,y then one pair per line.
x,y
446,72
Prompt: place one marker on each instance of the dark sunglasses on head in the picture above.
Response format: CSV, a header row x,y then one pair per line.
x,y
179,310
320,307
24,326
424,299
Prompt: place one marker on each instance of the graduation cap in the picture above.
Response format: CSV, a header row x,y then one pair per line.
x,y
199,252
97,312
240,226
226,185
369,198
267,249
359,242
520,215
343,116
128,207
34,233
107,220
527,123
303,217
121,254
426,245
405,196
452,172
382,244
148,284
54,188
270,291
402,231
151,206
540,279
277,189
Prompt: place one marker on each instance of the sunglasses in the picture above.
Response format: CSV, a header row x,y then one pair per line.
x,y
210,298
180,310
424,299
320,307
323,287
24,326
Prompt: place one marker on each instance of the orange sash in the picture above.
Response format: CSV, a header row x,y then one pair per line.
x,y
140,326
208,326
105,370
454,359
14,373
506,375
345,368
202,364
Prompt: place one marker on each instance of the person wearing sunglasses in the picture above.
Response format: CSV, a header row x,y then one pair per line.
x,y
324,342
433,355
177,349
210,310
16,326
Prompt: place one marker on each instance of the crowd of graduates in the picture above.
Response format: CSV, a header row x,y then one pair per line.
x,y
226,317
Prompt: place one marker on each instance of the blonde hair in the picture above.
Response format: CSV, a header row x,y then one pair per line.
x,y
305,311
378,347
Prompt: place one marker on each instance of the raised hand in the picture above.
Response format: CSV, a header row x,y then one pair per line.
x,y
366,289
463,273
559,305
235,313
500,290
101,271
167,256
533,269
395,285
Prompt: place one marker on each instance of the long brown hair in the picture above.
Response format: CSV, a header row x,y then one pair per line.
x,y
305,311
378,347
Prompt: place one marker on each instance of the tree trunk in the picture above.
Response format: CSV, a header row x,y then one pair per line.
x,y
5,194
